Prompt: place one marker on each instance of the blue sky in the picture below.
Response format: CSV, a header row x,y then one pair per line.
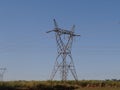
x,y
29,53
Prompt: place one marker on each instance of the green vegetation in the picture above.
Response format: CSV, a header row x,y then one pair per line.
x,y
58,85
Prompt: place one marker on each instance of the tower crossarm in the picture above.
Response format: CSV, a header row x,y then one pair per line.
x,y
2,70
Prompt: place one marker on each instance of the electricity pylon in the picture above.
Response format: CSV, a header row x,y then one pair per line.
x,y
64,61
2,71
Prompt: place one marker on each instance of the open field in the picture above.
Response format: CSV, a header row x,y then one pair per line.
x,y
98,89
58,85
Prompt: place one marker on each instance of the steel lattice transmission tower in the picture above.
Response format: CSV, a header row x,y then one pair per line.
x,y
64,61
2,71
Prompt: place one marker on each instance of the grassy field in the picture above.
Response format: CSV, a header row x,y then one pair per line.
x,y
110,88
58,85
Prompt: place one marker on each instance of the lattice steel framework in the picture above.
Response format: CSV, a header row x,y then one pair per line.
x,y
64,61
2,71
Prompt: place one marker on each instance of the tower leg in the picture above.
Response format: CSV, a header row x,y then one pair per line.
x,y
72,69
55,69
